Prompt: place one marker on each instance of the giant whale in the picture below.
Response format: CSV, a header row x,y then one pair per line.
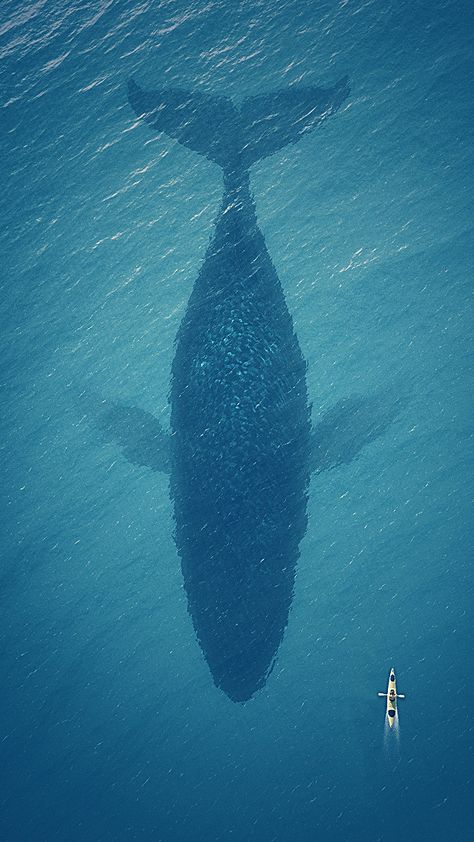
x,y
240,458
241,447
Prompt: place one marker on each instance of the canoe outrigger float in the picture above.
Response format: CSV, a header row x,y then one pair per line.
x,y
392,696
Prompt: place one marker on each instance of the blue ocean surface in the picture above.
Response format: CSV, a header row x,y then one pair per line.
x,y
113,723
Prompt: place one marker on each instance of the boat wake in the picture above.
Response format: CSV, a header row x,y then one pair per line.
x,y
391,741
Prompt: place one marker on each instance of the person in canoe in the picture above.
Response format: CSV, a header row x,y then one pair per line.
x,y
391,695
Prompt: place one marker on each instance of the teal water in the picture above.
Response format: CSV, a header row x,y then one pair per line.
x,y
110,725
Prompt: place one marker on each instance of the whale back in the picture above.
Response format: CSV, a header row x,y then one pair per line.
x,y
240,454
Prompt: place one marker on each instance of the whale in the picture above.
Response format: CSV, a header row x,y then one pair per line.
x,y
241,447
240,417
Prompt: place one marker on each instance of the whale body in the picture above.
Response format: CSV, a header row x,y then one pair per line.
x,y
240,452
240,420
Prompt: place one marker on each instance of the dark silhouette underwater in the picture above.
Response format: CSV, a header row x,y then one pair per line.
x,y
241,448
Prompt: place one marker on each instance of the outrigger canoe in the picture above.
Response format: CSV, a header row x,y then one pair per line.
x,y
392,696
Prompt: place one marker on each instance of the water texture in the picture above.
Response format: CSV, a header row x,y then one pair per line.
x,y
111,726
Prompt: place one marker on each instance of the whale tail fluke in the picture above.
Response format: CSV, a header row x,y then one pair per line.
x,y
214,127
200,122
272,121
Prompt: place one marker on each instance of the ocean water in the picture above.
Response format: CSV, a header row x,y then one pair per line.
x,y
111,727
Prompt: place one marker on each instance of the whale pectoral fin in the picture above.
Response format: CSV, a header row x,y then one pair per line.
x,y
138,433
271,121
348,426
198,121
